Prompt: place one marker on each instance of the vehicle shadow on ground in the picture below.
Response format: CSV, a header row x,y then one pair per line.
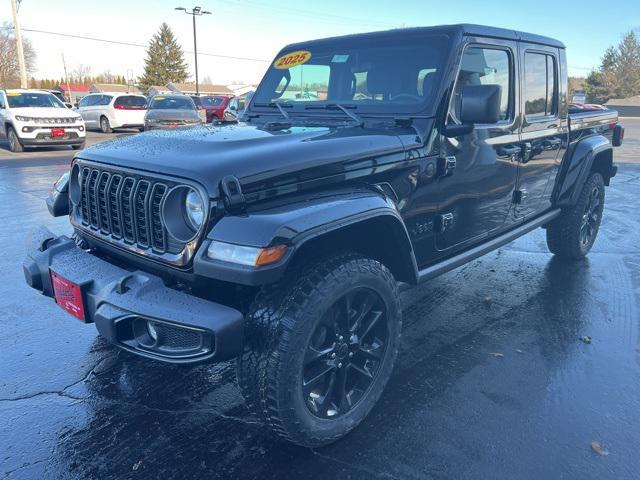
x,y
4,144
183,422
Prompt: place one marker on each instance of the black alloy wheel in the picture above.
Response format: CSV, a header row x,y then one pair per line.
x,y
590,218
344,353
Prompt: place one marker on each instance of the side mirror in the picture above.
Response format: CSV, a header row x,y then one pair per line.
x,y
480,104
233,107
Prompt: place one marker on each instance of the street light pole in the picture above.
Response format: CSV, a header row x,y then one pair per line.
x,y
195,49
19,50
195,12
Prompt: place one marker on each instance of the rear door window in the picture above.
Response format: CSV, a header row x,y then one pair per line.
x,y
540,86
212,101
105,100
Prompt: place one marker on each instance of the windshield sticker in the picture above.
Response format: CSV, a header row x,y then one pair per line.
x,y
159,98
292,59
340,59
13,94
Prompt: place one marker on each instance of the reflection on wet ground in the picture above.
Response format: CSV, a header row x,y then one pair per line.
x,y
492,380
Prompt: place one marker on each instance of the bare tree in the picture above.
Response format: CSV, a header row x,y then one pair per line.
x,y
9,69
81,72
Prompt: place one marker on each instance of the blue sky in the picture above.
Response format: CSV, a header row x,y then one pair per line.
x,y
258,28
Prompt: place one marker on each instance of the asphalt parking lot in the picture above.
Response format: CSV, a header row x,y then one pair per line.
x,y
493,380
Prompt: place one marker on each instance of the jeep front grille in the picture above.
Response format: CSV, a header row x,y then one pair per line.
x,y
126,207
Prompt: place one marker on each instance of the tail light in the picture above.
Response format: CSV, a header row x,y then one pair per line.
x,y
618,136
122,107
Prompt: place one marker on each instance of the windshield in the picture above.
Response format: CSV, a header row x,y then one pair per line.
x,y
394,73
131,101
212,101
24,100
172,103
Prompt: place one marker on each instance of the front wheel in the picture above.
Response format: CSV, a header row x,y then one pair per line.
x,y
320,348
574,232
14,142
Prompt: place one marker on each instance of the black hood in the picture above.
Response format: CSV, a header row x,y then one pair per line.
x,y
260,158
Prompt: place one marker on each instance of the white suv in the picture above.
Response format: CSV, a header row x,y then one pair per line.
x,y
106,111
34,118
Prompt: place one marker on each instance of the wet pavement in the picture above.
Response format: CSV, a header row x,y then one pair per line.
x,y
492,381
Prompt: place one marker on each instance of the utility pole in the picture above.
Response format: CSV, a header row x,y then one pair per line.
x,y
20,51
195,12
66,79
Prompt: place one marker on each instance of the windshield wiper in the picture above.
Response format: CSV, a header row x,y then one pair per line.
x,y
337,106
276,105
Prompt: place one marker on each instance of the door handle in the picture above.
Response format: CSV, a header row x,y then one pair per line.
x,y
552,143
509,151
446,165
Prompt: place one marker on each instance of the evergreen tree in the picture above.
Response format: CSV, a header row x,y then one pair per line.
x,y
165,60
628,66
619,72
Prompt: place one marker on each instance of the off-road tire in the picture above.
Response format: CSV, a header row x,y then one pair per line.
x,y
564,234
14,142
105,127
279,326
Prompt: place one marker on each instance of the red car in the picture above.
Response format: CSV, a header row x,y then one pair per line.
x,y
213,105
585,107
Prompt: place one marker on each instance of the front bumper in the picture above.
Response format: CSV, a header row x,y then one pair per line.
x,y
160,126
31,134
122,303
47,142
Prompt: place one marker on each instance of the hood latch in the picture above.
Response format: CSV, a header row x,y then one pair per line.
x,y
232,195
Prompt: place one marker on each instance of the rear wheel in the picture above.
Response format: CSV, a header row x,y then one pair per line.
x,y
320,348
14,141
574,232
105,127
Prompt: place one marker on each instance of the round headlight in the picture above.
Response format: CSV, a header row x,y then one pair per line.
x,y
194,206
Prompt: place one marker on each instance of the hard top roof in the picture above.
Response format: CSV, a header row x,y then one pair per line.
x,y
463,28
24,90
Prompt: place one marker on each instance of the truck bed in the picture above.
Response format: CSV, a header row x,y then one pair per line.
x,y
593,121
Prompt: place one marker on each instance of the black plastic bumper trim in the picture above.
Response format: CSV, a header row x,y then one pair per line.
x,y
112,293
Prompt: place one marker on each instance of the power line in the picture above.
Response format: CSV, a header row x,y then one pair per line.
x,y
130,44
312,14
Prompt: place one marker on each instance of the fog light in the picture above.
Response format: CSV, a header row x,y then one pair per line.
x,y
81,128
151,329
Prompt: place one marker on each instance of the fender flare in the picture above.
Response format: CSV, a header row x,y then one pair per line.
x,y
576,166
298,222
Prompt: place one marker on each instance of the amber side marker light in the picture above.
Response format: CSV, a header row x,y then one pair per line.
x,y
270,255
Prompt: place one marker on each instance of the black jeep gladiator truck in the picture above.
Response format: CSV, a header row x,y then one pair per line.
x,y
364,164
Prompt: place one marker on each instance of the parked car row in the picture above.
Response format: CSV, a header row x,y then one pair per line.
x,y
40,118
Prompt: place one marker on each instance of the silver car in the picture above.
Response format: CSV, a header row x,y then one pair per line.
x,y
171,111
